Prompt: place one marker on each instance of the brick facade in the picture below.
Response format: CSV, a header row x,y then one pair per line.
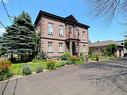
x,y
74,39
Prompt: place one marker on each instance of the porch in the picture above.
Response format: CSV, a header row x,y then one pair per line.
x,y
72,46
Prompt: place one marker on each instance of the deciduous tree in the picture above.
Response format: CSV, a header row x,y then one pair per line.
x,y
108,8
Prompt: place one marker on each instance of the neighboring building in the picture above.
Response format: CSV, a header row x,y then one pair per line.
x,y
122,42
60,34
98,47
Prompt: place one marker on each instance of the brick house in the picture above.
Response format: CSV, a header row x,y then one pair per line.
x,y
97,47
59,34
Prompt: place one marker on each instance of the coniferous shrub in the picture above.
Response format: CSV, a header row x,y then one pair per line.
x,y
26,70
39,68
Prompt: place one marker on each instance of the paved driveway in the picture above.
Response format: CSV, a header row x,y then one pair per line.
x,y
87,79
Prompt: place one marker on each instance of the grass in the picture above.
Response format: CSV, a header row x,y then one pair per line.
x,y
16,68
107,58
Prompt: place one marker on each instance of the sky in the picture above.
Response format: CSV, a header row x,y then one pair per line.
x,y
98,30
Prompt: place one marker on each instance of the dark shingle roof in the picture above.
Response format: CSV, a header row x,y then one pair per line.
x,y
66,19
104,43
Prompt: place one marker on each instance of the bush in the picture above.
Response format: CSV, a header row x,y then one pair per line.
x,y
63,63
4,64
41,56
5,74
109,50
73,60
125,44
39,68
51,64
65,56
36,61
80,62
82,57
90,53
4,69
58,65
95,57
26,70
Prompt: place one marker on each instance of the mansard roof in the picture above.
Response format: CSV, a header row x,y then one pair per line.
x,y
69,19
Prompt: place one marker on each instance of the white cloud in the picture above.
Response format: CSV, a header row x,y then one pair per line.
x,y
6,1
2,30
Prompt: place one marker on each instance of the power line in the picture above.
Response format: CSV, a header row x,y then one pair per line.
x,y
6,10
2,25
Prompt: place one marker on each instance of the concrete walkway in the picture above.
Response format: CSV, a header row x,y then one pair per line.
x,y
86,79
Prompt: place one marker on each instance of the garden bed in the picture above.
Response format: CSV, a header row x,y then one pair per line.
x,y
36,66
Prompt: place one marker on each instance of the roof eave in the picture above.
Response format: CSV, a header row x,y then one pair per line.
x,y
56,17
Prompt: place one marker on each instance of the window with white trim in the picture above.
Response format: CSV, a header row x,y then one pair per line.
x,y
50,47
61,47
84,48
83,36
78,33
50,28
61,31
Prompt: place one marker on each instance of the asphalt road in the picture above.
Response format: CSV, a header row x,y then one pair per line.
x,y
86,79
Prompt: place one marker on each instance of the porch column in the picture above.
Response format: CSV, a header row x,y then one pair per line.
x,y
122,53
71,47
77,48
117,53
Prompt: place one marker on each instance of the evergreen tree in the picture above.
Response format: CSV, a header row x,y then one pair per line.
x,y
125,44
20,38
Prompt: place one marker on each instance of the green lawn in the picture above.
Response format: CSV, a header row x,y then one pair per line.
x,y
16,68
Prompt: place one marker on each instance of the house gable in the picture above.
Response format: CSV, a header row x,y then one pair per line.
x,y
69,19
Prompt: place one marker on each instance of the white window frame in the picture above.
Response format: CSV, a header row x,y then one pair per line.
x,y
50,47
61,47
50,28
61,31
83,36
84,48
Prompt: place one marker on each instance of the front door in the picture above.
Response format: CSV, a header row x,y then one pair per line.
x,y
74,48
